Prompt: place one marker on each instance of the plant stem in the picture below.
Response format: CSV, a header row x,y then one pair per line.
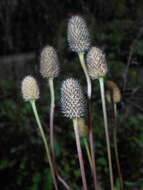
x,y
80,156
101,81
116,147
88,152
63,181
89,89
52,106
59,177
91,139
45,143
89,92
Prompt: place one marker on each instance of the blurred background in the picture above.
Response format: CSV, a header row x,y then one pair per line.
x,y
26,26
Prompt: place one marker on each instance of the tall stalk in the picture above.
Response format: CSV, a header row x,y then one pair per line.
x,y
88,152
52,106
116,146
62,181
51,162
89,89
45,143
80,156
101,81
91,138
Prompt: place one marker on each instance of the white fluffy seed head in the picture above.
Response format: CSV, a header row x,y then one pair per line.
x,y
96,63
78,34
29,88
49,63
72,99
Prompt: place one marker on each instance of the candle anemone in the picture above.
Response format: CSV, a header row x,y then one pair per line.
x,y
96,63
73,106
30,93
113,96
72,99
97,69
30,89
79,42
49,69
78,34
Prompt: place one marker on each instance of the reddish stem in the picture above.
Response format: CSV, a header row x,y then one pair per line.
x,y
91,139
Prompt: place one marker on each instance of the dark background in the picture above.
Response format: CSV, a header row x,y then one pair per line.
x,y
26,26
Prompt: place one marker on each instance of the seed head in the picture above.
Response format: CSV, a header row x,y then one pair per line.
x,y
96,63
113,91
29,88
49,63
83,128
78,34
72,99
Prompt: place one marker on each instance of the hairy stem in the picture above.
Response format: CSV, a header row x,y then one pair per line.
x,y
116,147
101,81
88,152
89,89
45,143
80,156
52,106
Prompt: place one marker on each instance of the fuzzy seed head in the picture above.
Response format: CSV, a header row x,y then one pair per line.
x,y
96,63
113,91
29,88
72,99
78,34
49,63
83,128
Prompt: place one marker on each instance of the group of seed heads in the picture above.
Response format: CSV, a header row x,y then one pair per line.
x,y
79,41
73,101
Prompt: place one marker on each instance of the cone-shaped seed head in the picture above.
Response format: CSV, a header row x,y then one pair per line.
x,y
29,88
83,128
113,91
96,63
72,99
78,34
49,63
